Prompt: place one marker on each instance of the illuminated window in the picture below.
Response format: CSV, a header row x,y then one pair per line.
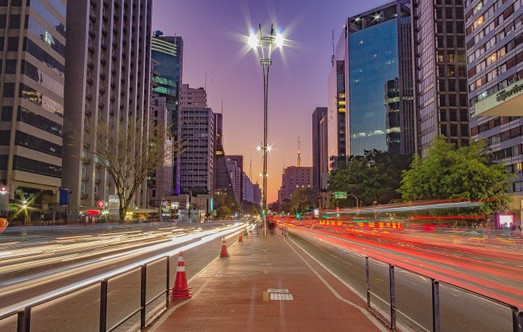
x,y
478,22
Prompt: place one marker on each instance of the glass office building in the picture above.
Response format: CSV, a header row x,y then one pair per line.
x,y
379,80
32,64
167,79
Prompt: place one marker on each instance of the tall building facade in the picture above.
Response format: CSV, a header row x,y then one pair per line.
x,y
198,156
320,160
107,79
223,182
167,80
293,178
440,72
160,181
337,129
494,35
238,185
193,97
235,174
32,70
379,80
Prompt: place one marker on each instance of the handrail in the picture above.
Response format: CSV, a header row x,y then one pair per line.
x,y
23,309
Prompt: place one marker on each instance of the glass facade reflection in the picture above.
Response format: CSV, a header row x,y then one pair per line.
x,y
379,80
373,62
167,51
33,96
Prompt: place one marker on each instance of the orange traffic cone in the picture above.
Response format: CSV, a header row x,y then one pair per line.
x,y
224,252
180,289
241,238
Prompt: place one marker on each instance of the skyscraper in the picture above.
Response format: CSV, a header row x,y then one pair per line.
x,y
440,72
495,71
32,36
108,75
167,78
197,159
293,178
320,161
379,80
337,111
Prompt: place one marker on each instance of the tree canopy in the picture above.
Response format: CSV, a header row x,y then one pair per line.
x,y
302,200
129,154
449,173
373,178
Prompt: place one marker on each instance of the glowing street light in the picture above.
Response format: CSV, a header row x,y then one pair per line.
x,y
266,43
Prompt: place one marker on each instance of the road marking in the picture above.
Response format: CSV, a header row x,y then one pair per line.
x,y
374,321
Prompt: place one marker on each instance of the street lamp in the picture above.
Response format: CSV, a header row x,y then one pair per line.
x,y
266,43
357,203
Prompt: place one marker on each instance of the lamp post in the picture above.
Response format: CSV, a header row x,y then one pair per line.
x,y
266,43
357,203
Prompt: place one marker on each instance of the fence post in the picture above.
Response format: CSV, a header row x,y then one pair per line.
x,y
517,320
367,280
167,281
435,306
24,320
103,306
392,289
143,298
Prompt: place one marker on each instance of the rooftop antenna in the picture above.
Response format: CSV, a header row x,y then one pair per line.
x,y
250,168
205,84
299,153
332,57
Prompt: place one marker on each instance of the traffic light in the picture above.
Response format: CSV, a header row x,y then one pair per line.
x,y
263,212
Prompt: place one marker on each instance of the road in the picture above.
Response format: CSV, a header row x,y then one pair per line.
x,y
492,267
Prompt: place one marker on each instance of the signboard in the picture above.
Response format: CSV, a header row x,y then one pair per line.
x,y
113,202
166,208
64,196
340,194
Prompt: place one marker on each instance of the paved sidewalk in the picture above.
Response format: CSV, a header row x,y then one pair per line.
x,y
267,284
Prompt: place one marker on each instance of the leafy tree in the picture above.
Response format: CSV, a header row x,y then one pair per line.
x,y
226,205
373,177
285,205
303,199
129,153
449,172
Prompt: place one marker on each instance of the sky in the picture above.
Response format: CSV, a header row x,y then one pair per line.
x,y
217,58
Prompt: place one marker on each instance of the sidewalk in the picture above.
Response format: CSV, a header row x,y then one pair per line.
x,y
267,284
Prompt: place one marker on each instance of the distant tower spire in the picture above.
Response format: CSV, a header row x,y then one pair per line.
x,y
299,153
332,57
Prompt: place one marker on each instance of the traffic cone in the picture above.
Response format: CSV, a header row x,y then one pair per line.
x,y
241,238
180,289
224,252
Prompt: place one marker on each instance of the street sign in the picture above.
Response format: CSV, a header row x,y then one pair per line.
x,y
340,194
101,204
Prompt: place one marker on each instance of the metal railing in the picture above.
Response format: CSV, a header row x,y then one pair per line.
x,y
391,320
23,312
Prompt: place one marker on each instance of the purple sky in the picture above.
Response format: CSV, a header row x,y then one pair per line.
x,y
215,56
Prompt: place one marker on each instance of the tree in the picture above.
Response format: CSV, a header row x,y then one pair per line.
x,y
303,199
373,177
129,153
449,172
226,205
